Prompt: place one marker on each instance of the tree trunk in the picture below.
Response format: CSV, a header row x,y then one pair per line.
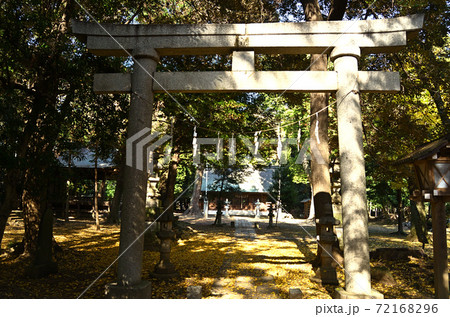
x,y
434,83
66,208
439,220
169,198
218,219
97,223
34,204
102,190
444,114
320,175
419,228
194,208
337,10
114,213
399,212
312,212
43,262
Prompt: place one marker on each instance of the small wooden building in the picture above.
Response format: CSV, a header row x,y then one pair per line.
x,y
254,185
80,170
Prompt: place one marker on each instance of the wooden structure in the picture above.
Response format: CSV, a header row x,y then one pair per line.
x,y
81,169
431,163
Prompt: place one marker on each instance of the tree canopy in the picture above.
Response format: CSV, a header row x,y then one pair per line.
x,y
48,108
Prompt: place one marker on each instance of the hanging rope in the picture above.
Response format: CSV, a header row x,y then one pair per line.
x,y
280,144
219,147
232,157
316,132
194,142
172,123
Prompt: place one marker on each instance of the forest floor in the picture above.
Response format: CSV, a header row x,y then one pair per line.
x,y
227,262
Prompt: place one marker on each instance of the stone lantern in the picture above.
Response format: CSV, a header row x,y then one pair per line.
x,y
257,209
432,167
165,269
326,273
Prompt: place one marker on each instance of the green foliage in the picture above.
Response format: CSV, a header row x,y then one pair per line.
x,y
47,105
292,192
109,189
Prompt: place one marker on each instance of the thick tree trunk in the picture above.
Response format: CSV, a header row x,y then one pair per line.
x,y
337,10
320,175
34,204
194,208
439,220
419,229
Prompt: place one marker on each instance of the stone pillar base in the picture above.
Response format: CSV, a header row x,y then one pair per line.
x,y
139,291
340,293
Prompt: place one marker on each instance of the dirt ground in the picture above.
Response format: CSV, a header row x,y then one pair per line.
x,y
204,255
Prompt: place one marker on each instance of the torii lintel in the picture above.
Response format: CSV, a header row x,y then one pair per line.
x,y
373,36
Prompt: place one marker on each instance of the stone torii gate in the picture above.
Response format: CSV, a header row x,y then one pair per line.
x,y
345,41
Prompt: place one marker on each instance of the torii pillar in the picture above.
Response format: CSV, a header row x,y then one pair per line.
x,y
353,176
129,270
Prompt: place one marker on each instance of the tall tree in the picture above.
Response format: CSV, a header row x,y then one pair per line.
x,y
32,67
194,207
44,83
320,175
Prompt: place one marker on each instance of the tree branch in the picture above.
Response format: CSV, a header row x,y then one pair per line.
x,y
337,10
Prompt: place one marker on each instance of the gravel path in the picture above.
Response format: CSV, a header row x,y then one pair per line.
x,y
242,286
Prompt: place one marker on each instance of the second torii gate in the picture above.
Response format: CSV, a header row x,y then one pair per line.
x,y
345,41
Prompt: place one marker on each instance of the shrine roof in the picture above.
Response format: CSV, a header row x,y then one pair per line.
x,y
425,151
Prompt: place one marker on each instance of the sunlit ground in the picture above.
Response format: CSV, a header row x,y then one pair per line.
x,y
205,254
